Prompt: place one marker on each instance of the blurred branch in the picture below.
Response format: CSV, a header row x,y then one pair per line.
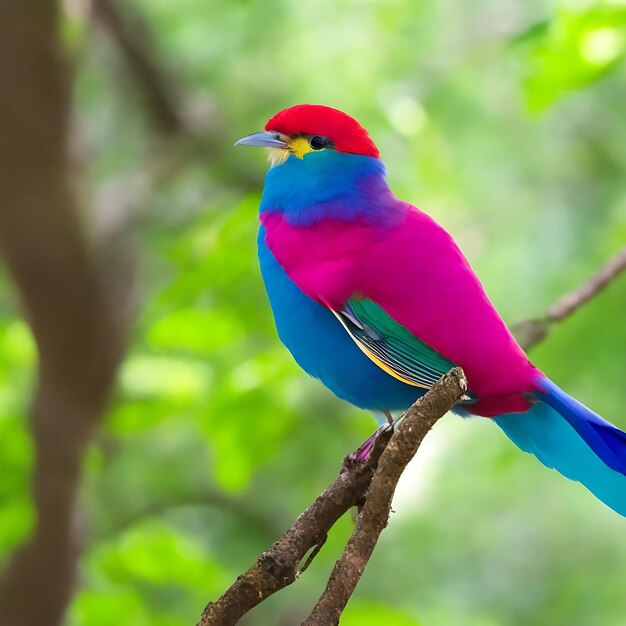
x,y
530,332
75,299
237,507
371,483
189,129
119,204
131,38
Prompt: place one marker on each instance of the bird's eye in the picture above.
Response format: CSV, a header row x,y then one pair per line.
x,y
317,142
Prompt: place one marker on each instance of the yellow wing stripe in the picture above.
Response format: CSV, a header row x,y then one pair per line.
x,y
372,357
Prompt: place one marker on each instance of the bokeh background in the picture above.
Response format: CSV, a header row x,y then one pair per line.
x,y
505,121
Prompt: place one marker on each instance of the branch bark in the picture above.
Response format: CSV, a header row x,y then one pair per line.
x,y
373,518
372,482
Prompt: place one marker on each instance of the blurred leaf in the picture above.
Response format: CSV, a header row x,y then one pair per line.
x,y
155,553
16,457
165,376
195,330
374,614
578,48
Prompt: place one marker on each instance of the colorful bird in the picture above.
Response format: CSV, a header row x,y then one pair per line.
x,y
374,298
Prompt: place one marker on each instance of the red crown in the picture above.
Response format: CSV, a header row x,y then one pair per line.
x,y
344,131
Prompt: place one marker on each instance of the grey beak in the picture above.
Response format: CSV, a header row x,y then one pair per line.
x,y
264,139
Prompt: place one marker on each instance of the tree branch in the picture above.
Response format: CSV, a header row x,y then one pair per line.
x,y
373,518
372,481
530,332
238,508
278,566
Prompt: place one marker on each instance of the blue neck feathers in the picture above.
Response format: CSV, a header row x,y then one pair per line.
x,y
330,184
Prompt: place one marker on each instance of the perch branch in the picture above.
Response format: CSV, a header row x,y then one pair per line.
x,y
372,481
530,332
278,566
373,518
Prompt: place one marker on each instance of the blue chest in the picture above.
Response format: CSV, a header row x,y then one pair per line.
x,y
321,346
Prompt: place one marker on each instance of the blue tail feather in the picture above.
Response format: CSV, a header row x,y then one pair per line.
x,y
606,440
567,436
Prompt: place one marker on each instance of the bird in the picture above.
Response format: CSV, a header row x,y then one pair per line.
x,y
376,300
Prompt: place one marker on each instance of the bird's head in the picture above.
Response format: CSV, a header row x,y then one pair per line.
x,y
308,129
324,165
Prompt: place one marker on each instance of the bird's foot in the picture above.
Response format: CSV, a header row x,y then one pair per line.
x,y
362,452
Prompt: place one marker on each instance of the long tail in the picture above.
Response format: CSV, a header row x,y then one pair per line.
x,y
567,436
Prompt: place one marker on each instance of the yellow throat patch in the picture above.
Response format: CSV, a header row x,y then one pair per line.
x,y
298,146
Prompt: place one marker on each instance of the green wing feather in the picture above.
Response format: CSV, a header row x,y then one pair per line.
x,y
391,346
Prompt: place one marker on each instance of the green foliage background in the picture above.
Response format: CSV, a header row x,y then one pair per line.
x,y
505,120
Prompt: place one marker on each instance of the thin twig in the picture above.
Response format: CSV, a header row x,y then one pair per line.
x,y
572,301
314,553
530,332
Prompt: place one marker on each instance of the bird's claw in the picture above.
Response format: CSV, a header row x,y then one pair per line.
x,y
363,451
